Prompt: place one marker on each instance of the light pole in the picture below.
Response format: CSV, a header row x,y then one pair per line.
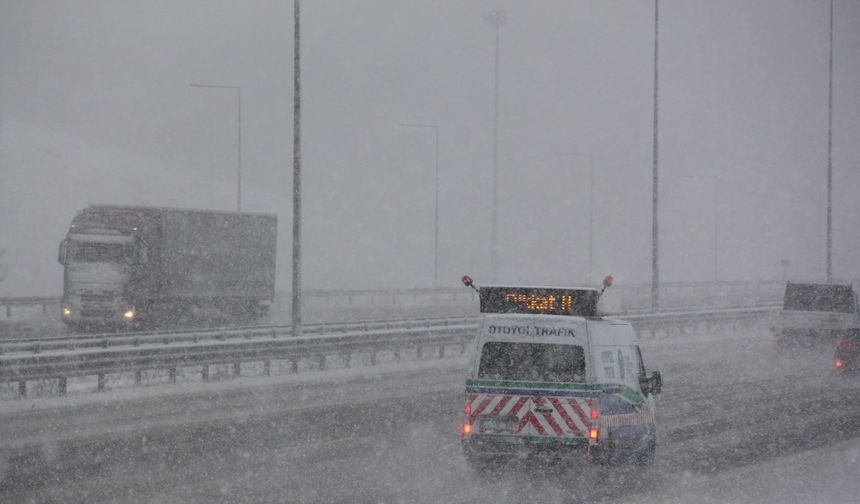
x,y
785,264
496,18
238,137
436,204
830,156
297,171
716,225
655,277
590,207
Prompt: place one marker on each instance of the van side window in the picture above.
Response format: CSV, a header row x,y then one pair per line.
x,y
532,362
608,361
642,372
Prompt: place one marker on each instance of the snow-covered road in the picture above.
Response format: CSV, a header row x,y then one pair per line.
x,y
738,423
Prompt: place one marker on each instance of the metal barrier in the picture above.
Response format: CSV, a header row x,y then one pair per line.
x,y
172,351
45,301
107,340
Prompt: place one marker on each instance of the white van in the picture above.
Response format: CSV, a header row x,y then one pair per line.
x,y
550,377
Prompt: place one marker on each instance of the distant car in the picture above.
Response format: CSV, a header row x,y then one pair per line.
x,y
814,314
847,358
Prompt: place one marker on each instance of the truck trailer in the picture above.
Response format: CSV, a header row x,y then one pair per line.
x,y
128,265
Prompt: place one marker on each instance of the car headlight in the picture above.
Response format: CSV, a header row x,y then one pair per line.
x,y
129,314
67,311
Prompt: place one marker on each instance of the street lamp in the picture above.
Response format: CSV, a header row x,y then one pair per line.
x,y
436,205
496,18
238,136
655,277
830,156
590,205
297,172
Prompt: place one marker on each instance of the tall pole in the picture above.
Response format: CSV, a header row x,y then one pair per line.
x,y
590,218
238,136
655,278
436,198
436,209
830,156
497,18
716,225
239,153
297,179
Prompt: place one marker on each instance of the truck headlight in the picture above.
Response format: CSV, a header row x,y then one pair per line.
x,y
128,314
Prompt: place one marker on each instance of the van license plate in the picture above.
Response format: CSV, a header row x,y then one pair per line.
x,y
499,424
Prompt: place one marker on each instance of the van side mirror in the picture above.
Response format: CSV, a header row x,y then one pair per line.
x,y
652,384
656,382
62,254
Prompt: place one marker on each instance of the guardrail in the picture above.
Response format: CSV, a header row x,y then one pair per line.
x,y
139,353
106,340
45,301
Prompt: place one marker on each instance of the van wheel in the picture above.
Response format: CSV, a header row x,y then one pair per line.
x,y
646,457
482,465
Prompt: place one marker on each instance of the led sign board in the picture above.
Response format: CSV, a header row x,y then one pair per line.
x,y
539,300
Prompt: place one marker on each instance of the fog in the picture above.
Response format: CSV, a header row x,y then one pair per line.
x,y
96,107
213,397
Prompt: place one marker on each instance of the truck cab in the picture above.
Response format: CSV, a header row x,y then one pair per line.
x,y
551,378
101,254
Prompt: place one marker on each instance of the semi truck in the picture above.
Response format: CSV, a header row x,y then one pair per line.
x,y
133,265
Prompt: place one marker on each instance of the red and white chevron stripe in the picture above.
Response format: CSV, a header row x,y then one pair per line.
x,y
496,405
538,415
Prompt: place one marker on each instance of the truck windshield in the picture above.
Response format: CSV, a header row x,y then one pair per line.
x,y
532,362
101,252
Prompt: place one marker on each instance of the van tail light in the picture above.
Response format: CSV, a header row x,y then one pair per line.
x,y
467,423
594,428
839,363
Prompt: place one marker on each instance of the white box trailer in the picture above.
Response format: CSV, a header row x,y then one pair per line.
x,y
126,264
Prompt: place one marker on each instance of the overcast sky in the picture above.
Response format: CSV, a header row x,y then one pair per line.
x,y
96,107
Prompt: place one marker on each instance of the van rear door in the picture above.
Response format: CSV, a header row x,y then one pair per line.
x,y
495,410
497,401
530,390
562,412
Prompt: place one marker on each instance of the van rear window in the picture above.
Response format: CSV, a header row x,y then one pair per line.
x,y
540,362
